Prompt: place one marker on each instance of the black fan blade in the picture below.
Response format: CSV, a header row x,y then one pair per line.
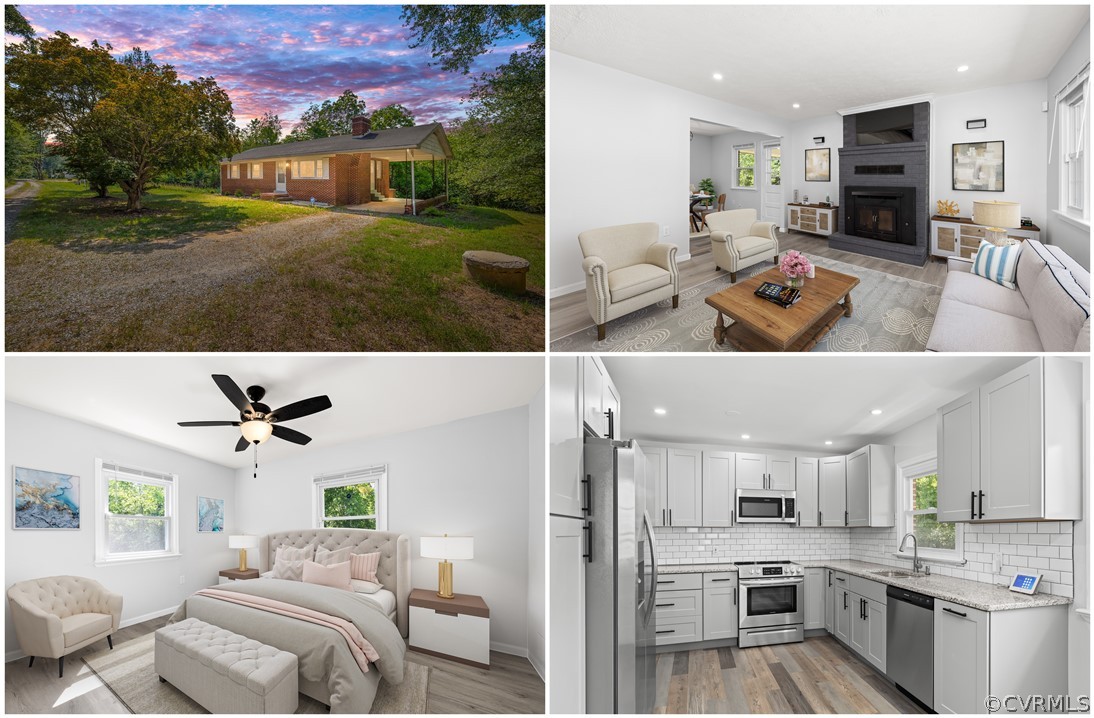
x,y
242,444
284,432
233,392
208,423
301,408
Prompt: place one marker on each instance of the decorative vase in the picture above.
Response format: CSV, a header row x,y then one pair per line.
x,y
795,282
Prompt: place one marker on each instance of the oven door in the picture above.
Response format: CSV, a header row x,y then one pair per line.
x,y
759,509
772,602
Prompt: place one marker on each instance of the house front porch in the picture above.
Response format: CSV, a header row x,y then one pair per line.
x,y
396,205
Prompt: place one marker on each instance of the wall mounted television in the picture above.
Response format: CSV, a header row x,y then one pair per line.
x,y
885,127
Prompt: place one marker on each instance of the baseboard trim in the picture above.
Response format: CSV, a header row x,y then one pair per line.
x,y
511,650
540,670
18,653
565,289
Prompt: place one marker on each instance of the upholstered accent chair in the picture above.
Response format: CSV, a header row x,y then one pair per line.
x,y
626,269
57,615
738,241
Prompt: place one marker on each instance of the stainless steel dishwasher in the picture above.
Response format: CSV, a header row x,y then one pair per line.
x,y
909,641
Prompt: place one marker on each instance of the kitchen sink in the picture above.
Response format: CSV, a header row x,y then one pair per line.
x,y
898,574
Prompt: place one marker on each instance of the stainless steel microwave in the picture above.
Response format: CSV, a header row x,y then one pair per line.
x,y
756,506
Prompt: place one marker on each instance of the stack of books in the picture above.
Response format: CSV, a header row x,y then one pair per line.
x,y
778,294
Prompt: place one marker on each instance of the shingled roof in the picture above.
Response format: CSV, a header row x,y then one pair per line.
x,y
397,138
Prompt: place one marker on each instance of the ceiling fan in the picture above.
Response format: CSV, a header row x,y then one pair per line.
x,y
256,421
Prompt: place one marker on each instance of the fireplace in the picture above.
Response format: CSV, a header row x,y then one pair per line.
x,y
883,213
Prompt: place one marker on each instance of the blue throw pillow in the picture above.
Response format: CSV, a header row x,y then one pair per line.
x,y
998,264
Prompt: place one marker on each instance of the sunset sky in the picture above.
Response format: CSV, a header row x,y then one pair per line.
x,y
280,58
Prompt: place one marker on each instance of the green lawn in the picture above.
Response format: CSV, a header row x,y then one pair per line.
x,y
70,213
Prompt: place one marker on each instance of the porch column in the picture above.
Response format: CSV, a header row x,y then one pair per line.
x,y
446,195
413,189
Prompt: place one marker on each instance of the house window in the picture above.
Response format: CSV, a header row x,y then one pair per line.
x,y
137,510
918,512
353,499
1072,110
233,171
744,158
256,170
310,169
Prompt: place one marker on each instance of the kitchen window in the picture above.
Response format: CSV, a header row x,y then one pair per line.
x,y
138,511
918,512
744,166
1072,111
256,170
353,499
310,169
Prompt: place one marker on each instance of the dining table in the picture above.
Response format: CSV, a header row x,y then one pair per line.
x,y
696,218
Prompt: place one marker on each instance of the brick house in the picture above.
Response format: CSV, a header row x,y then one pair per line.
x,y
343,170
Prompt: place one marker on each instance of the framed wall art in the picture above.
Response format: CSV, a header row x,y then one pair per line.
x,y
978,166
818,165
210,515
44,500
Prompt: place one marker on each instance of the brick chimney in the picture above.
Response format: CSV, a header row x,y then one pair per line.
x,y
361,125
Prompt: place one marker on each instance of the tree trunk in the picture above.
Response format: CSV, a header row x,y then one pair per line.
x,y
134,190
100,190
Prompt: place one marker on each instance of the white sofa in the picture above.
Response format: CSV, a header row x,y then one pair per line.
x,y
738,241
1048,312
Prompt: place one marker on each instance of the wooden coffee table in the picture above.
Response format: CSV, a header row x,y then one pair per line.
x,y
762,326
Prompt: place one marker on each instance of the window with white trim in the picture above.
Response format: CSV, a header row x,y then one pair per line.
x,y
138,510
1072,110
353,499
233,171
744,166
917,512
256,170
311,169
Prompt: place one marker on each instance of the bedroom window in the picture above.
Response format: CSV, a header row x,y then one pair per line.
x,y
918,512
310,169
137,510
256,170
353,499
744,160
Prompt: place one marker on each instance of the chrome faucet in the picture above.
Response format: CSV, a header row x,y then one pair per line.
x,y
916,565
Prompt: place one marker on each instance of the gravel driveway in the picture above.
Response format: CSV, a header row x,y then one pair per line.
x,y
16,197
73,298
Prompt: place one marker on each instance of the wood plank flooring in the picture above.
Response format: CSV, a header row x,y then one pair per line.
x,y
510,686
817,676
569,313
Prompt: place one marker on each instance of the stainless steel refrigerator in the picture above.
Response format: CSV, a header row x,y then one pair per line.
x,y
620,580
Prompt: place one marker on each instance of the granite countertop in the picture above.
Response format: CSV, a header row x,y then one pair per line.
x,y
974,594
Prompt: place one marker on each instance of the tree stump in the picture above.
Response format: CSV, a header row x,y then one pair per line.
x,y
495,269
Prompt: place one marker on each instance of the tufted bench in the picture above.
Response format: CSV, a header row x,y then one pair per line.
x,y
224,671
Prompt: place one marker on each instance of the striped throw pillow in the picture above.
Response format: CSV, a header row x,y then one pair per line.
x,y
363,566
998,264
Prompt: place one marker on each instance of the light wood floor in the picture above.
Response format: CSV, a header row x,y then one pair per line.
x,y
510,686
569,313
817,676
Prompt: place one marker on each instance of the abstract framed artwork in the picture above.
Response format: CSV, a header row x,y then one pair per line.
x,y
45,500
210,515
818,165
978,166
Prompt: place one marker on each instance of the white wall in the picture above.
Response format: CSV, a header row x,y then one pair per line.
x,y
1075,239
467,477
537,528
1014,115
1078,629
624,157
830,127
700,158
37,440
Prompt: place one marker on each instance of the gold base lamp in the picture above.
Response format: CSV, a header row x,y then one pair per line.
x,y
447,548
243,542
997,218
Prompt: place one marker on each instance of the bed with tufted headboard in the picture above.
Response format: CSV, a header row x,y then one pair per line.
x,y
393,571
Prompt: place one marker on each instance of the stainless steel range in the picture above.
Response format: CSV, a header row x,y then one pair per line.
x,y
772,606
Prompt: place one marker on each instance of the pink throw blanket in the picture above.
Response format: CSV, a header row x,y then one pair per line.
x,y
362,650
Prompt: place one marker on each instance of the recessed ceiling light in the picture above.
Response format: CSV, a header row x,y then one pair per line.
x,y
875,412
745,436
962,68
659,411
796,105
732,412
828,443
717,76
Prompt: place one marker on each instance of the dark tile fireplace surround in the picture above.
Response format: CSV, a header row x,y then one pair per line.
x,y
883,192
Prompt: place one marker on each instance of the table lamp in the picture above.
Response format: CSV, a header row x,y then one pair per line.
x,y
243,542
447,548
997,218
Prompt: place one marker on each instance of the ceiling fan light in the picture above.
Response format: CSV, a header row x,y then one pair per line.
x,y
256,431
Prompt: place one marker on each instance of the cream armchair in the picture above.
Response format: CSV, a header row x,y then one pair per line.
x,y
737,240
626,268
58,615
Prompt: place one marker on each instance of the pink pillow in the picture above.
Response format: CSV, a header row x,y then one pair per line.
x,y
363,566
336,575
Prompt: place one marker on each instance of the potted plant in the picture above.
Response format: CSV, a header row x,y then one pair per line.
x,y
796,268
706,186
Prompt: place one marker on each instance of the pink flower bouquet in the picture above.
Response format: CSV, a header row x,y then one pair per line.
x,y
795,265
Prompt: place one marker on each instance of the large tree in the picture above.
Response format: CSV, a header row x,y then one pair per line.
x,y
16,24
391,116
262,131
457,34
329,118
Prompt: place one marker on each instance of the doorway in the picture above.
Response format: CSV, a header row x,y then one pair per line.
x,y
282,168
772,190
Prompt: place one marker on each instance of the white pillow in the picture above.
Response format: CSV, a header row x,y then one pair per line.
x,y
360,586
335,575
324,557
289,562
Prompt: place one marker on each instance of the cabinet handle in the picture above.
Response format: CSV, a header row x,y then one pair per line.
x,y
820,518
956,613
665,582
588,507
588,555
981,506
840,579
844,518
865,615
664,605
844,600
439,612
719,580
670,517
611,423
799,517
668,631
734,595
972,504
662,517
829,579
732,517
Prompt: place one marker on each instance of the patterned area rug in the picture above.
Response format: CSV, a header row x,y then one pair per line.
x,y
129,672
891,314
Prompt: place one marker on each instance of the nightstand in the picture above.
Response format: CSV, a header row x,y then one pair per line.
x,y
454,628
234,574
